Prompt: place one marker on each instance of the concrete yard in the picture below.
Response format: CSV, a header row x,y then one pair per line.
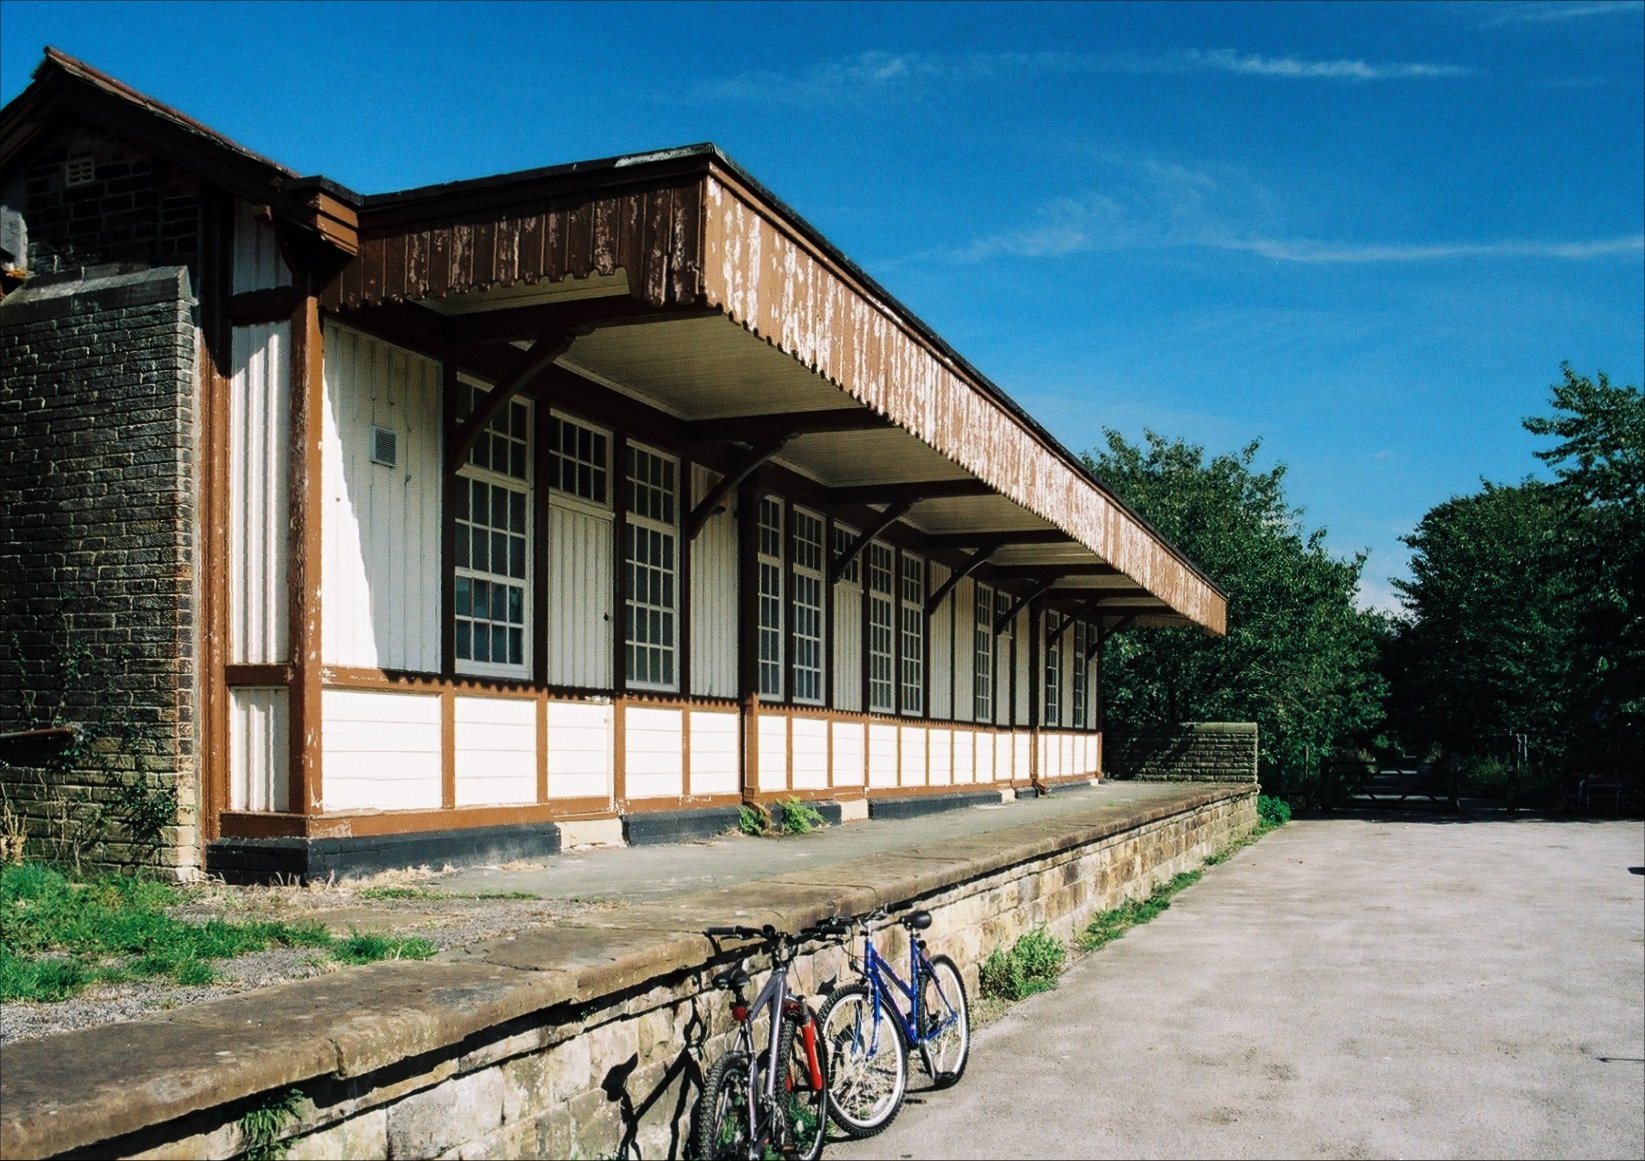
x,y
1404,985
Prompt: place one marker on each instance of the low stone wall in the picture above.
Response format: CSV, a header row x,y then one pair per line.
x,y
583,1040
1188,752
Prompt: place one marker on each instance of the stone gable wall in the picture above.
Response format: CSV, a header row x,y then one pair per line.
x,y
1188,752
97,540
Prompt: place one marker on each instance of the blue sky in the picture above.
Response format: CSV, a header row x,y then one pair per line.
x,y
1366,234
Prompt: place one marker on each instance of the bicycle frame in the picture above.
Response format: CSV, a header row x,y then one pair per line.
x,y
881,977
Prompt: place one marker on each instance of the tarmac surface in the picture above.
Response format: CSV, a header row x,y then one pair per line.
x,y
1410,984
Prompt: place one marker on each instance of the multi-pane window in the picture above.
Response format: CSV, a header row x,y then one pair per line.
x,y
1082,645
770,560
913,635
881,629
806,622
652,628
982,679
492,551
1053,668
579,461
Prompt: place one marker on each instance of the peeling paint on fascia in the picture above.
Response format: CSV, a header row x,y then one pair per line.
x,y
660,155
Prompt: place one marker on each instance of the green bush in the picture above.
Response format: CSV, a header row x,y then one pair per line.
x,y
796,817
752,819
1272,812
1032,965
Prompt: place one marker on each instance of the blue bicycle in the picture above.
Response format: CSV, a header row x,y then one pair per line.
x,y
870,1033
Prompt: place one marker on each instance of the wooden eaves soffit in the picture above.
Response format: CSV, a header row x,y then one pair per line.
x,y
693,234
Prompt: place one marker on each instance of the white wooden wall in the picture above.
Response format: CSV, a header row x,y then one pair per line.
x,y
259,450
579,613
964,601
381,525
713,597
495,750
715,768
259,752
258,264
381,750
939,628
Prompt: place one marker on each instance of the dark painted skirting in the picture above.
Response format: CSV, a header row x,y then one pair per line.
x,y
915,805
678,826
241,860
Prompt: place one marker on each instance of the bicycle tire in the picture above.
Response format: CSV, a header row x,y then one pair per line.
x,y
868,1061
802,1104
722,1125
945,1038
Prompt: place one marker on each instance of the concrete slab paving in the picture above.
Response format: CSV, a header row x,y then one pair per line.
x,y
1404,985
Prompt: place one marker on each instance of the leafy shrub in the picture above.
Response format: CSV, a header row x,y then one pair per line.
x,y
1032,965
1272,812
752,819
796,817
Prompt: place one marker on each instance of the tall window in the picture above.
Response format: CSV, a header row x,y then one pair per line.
x,y
652,632
806,623
491,582
913,635
770,557
844,538
881,630
1053,668
1003,709
982,676
1082,644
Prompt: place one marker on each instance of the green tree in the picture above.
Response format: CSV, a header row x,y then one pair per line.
x,y
1486,653
1599,489
1299,658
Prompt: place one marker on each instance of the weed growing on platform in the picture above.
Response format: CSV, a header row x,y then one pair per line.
x,y
1110,925
752,819
261,1127
796,817
1032,965
60,935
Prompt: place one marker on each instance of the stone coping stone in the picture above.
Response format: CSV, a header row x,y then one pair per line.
x,y
70,1091
915,805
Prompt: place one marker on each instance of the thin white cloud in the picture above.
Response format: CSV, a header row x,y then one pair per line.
x,y
874,74
1527,13
1287,250
1247,64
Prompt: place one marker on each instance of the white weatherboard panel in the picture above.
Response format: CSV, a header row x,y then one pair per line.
x,y
258,264
579,596
964,600
1049,763
940,681
1004,766
985,756
848,647
848,753
1067,746
882,755
653,753
1003,650
579,750
964,757
714,600
773,743
1020,715
381,526
259,755
810,753
496,750
714,753
913,756
381,750
1020,754
942,756
259,532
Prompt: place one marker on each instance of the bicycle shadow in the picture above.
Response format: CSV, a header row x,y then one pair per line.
x,y
683,1076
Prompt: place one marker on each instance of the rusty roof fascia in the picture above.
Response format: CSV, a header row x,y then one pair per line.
x,y
825,251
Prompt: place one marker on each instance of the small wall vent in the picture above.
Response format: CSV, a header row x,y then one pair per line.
x,y
385,446
79,169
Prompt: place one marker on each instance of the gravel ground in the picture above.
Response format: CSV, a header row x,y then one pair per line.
x,y
445,918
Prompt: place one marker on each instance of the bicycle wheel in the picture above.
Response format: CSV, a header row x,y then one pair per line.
x,y
867,1061
722,1122
945,1019
802,1097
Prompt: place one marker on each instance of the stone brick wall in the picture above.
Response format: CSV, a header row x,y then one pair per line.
x,y
97,535
1189,752
91,199
614,1071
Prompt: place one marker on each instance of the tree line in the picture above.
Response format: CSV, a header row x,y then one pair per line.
x,y
1517,663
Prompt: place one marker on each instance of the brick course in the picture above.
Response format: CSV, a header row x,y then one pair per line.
x,y
97,538
1187,752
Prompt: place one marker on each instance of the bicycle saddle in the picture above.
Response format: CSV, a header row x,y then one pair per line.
x,y
735,977
916,920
